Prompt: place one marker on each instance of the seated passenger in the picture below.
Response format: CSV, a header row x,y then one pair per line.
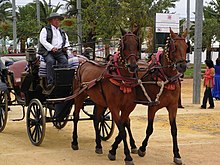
x,y
73,53
87,53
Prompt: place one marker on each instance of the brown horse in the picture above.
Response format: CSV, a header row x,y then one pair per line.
x,y
160,87
110,86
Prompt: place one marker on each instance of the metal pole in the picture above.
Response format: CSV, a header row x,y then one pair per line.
x,y
38,12
14,26
188,25
79,26
197,52
49,4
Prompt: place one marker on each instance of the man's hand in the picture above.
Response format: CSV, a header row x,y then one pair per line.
x,y
54,50
64,49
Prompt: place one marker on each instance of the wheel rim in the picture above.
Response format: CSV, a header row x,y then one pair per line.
x,y
35,122
106,125
3,110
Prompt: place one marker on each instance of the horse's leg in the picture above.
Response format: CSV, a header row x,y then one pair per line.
x,y
132,141
172,118
118,138
128,159
112,152
78,106
149,131
121,136
99,110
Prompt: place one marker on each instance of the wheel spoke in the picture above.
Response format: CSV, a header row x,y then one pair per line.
x,y
38,132
31,122
33,134
106,114
104,129
33,112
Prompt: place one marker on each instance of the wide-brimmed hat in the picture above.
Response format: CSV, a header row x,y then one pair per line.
x,y
55,15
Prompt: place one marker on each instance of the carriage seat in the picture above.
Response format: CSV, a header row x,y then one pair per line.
x,y
73,62
17,68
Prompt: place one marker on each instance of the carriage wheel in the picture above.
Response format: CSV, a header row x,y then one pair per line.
x,y
3,110
107,125
36,122
58,124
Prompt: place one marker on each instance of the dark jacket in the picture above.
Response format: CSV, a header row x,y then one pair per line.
x,y
41,49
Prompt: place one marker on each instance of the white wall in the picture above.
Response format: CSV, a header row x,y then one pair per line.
x,y
214,57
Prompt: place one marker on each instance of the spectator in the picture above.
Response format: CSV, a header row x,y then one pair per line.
x,y
10,49
73,53
216,88
109,57
180,99
208,84
87,52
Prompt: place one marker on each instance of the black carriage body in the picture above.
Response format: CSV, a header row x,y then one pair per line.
x,y
32,91
64,78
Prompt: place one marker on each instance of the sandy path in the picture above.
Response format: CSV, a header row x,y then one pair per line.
x,y
198,137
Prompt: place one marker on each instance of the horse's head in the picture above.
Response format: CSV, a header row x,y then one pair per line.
x,y
130,49
175,51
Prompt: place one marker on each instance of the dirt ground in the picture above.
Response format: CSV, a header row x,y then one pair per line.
x,y
198,138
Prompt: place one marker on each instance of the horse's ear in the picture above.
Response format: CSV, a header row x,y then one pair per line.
x,y
185,33
123,32
136,30
172,34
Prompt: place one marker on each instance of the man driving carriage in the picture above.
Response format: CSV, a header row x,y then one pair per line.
x,y
53,46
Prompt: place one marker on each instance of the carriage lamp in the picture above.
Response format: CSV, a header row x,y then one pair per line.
x,y
31,54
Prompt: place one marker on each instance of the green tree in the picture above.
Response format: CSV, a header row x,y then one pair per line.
x,y
5,10
27,26
5,23
211,25
102,18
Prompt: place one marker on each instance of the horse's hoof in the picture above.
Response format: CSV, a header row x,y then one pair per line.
x,y
98,150
134,151
75,147
111,157
129,163
141,154
177,161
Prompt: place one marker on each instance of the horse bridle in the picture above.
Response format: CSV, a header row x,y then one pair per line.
x,y
124,59
170,49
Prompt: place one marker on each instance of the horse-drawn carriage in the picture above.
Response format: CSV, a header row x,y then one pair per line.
x,y
23,85
119,87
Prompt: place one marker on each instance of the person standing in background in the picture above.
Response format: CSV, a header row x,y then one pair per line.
x,y
216,88
208,84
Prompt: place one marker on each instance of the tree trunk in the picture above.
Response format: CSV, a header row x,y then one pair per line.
x,y
22,45
107,52
149,39
208,52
